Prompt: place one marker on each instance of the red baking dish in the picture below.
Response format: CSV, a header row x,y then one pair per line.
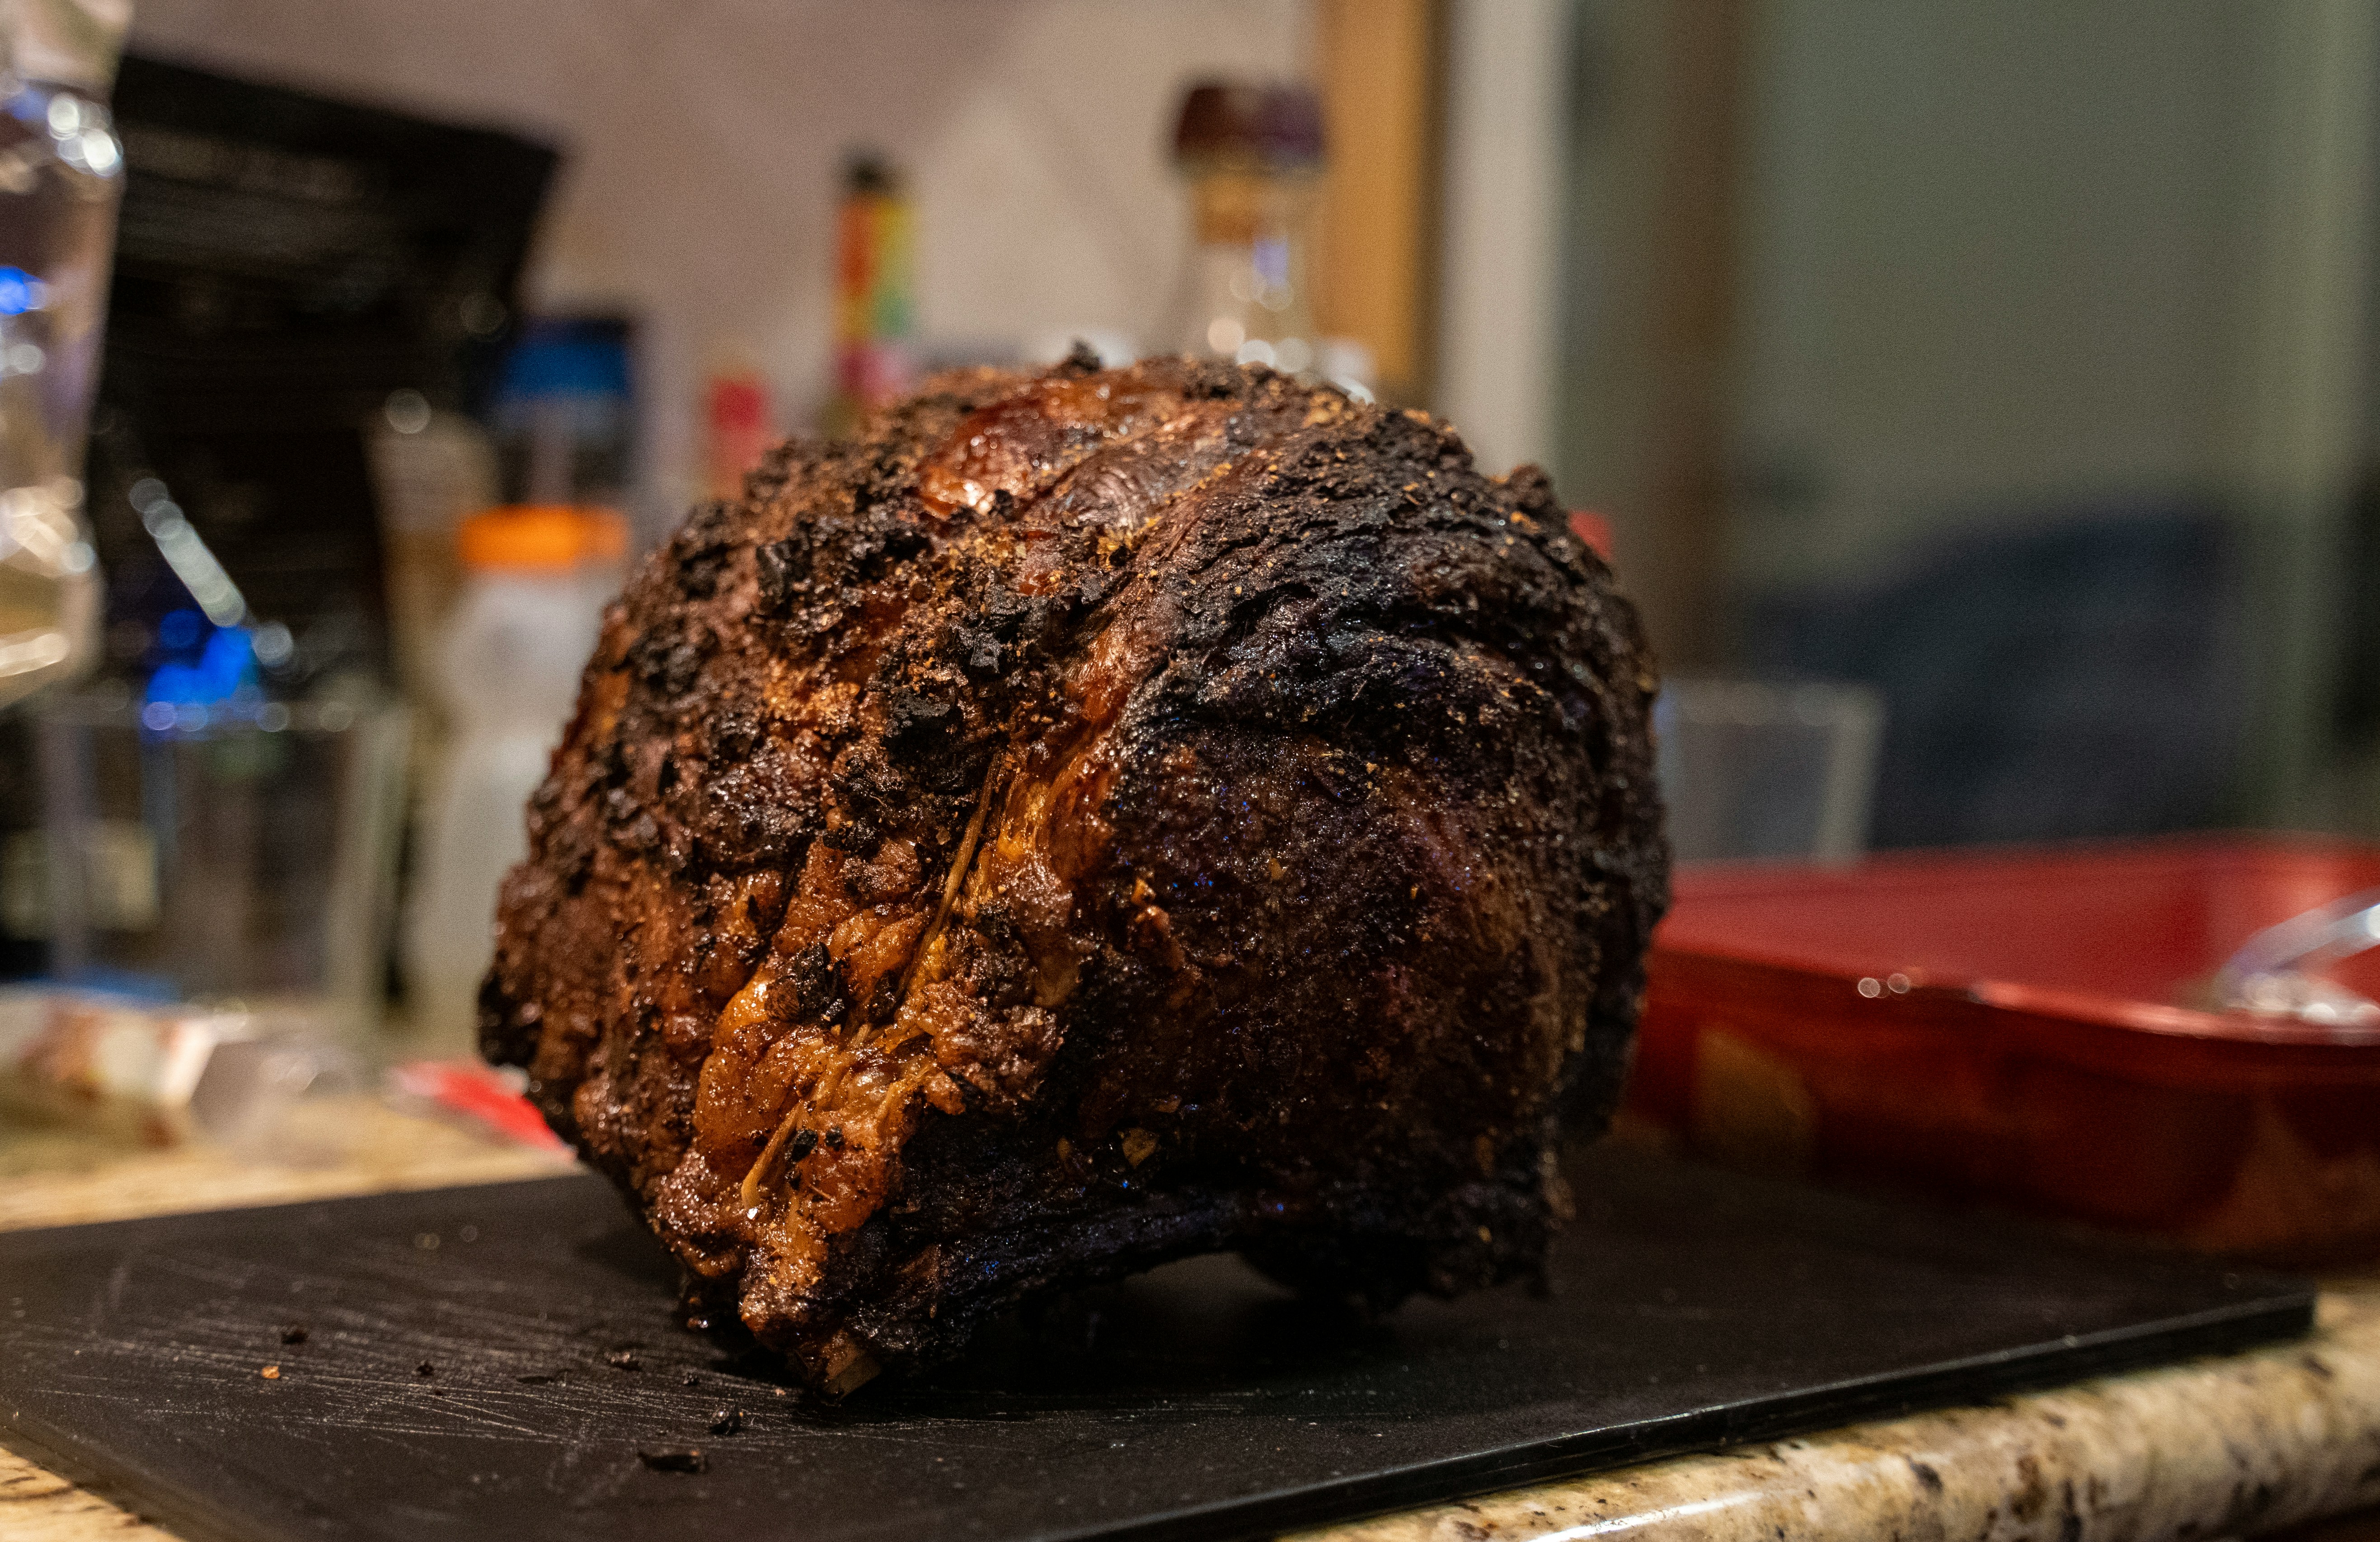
x,y
2027,1028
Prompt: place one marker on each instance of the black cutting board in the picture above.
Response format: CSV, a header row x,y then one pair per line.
x,y
1690,1308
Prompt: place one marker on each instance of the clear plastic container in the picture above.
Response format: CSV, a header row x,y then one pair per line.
x,y
237,854
535,582
1757,769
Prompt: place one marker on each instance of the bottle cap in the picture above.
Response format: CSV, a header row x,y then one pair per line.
x,y
868,174
546,538
1257,127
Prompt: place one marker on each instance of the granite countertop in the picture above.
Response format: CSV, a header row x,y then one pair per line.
x,y
2223,1447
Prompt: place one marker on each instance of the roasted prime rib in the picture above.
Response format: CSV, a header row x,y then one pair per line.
x,y
1093,817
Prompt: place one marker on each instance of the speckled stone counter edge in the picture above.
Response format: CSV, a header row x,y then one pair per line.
x,y
2212,1449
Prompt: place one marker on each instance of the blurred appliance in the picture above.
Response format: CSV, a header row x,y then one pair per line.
x,y
1752,768
2039,1029
2083,674
286,266
290,271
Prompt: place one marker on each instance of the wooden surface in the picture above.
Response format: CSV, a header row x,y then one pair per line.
x,y
340,1146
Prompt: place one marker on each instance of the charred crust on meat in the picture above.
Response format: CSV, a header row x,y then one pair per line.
x,y
1091,816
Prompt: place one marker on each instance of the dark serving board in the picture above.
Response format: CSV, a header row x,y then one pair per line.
x,y
1690,1308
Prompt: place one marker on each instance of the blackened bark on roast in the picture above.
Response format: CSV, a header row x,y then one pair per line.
x,y
1092,818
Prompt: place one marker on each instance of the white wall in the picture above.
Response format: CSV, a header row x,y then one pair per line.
x,y
1991,260
705,137
1498,345
2012,258
2298,427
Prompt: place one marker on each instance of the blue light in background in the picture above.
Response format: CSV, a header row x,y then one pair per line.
x,y
20,292
225,665
181,630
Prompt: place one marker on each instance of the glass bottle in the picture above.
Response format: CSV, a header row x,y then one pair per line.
x,y
875,293
60,170
1252,156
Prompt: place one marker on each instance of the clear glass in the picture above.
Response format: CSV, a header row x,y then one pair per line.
x,y
1750,769
1246,292
241,856
61,172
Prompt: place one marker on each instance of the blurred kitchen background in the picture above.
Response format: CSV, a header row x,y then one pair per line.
x,y
1977,400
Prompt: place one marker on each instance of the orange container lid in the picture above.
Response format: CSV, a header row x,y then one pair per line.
x,y
547,538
